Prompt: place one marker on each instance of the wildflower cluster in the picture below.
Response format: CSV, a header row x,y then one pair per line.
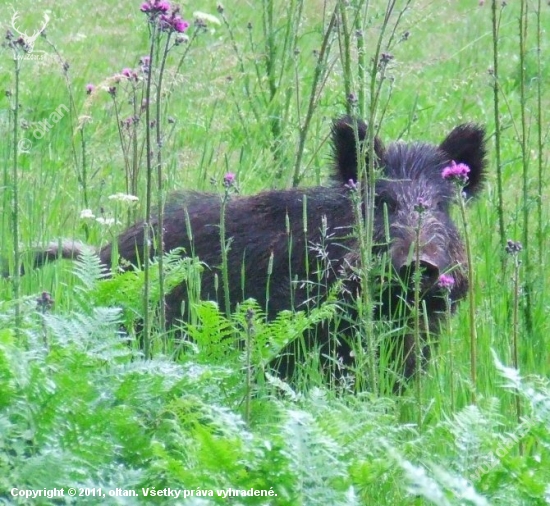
x,y
457,172
166,16
129,73
16,43
154,7
123,197
513,247
446,282
229,179
45,302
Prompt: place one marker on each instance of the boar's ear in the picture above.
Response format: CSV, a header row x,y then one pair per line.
x,y
466,144
346,131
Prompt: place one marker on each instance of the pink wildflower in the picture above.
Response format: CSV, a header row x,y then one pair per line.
x,y
155,6
446,282
180,25
173,23
229,179
456,172
90,88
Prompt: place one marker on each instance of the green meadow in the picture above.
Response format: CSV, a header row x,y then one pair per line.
x,y
99,400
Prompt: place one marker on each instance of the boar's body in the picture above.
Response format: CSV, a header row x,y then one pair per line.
x,y
256,228
412,199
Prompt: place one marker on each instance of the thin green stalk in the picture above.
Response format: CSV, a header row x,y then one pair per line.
x,y
286,57
160,189
378,67
306,246
82,174
224,250
271,57
496,110
248,387
417,275
345,54
366,304
362,62
123,145
16,279
540,146
270,49
368,179
148,201
290,274
471,300
515,333
134,171
188,46
320,68
268,284
451,349
528,312
240,59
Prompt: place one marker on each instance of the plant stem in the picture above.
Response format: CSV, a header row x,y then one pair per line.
x,y
224,249
496,111
160,191
148,198
417,341
515,329
320,68
540,145
525,169
249,335
471,294
15,201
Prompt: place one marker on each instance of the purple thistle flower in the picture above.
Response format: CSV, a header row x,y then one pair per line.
x,y
513,247
155,6
180,25
456,172
89,89
229,179
126,72
172,22
446,282
163,6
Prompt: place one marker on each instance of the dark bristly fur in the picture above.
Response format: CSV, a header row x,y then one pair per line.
x,y
257,227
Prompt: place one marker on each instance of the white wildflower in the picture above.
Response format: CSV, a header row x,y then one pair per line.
x,y
108,222
207,18
123,197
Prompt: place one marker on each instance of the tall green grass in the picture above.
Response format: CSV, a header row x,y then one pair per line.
x,y
254,94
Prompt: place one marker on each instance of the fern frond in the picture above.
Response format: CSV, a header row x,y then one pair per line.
x,y
89,269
